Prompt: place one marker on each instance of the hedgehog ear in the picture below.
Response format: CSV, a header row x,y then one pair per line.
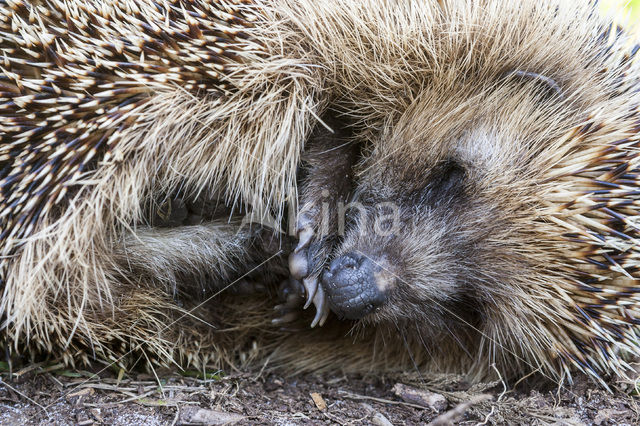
x,y
548,82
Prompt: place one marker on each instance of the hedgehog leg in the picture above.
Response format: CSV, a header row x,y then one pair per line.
x,y
208,257
326,183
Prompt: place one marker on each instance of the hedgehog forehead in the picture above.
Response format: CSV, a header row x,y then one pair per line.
x,y
494,131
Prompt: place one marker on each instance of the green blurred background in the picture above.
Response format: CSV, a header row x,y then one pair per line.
x,y
630,8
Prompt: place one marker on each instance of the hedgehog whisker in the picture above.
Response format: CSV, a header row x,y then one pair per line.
x,y
408,348
456,338
458,317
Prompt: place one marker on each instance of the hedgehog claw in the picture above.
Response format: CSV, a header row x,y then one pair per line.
x,y
304,231
322,308
285,318
311,287
304,239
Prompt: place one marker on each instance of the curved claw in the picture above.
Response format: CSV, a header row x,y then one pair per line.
x,y
286,318
304,238
322,308
311,286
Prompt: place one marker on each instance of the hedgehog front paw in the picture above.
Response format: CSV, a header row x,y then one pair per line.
x,y
305,266
291,294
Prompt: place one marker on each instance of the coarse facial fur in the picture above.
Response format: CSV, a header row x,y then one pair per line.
x,y
502,133
478,205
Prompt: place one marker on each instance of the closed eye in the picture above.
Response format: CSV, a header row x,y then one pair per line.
x,y
446,182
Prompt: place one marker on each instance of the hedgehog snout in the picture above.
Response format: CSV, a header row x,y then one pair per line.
x,y
356,285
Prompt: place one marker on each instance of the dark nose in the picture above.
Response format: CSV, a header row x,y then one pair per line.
x,y
350,283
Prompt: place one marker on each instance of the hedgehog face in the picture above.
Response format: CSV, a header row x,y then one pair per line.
x,y
432,220
400,249
410,242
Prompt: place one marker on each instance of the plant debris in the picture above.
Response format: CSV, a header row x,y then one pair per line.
x,y
44,395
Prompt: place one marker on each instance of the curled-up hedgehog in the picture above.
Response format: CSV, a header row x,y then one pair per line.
x,y
466,175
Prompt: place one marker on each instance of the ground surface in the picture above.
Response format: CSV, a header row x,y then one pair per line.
x,y
49,394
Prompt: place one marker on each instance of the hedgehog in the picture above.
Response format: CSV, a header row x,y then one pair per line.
x,y
452,185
